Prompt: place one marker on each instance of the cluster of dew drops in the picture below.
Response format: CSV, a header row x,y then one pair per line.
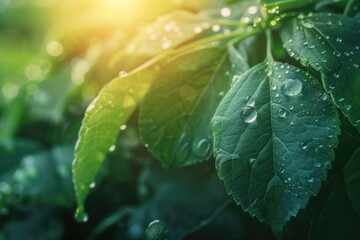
x,y
291,87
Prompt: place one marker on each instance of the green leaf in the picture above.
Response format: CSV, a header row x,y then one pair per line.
x,y
103,118
285,4
168,31
330,44
157,230
176,113
274,134
337,219
352,179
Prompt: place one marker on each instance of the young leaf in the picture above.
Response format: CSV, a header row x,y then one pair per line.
x,y
166,32
274,134
352,179
330,44
103,118
175,114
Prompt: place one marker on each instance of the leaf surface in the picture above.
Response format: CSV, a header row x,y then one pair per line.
x,y
175,114
330,44
101,125
352,179
274,134
168,31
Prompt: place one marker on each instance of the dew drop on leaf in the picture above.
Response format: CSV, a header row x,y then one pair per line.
x,y
248,114
252,162
112,148
123,74
291,87
183,153
202,148
308,23
81,216
282,113
225,12
92,185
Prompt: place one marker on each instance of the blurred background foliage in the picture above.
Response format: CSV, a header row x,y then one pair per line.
x,y
55,56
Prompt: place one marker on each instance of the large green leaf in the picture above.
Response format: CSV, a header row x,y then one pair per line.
x,y
330,44
274,134
176,113
101,125
352,179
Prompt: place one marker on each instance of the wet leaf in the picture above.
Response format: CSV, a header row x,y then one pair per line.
x,y
101,125
274,134
175,114
329,43
337,219
352,179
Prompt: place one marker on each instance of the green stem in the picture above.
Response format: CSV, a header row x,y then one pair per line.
x,y
347,7
269,46
208,220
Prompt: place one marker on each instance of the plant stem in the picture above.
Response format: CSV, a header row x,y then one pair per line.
x,y
208,220
269,46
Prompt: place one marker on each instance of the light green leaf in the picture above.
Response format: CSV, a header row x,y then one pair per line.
x,y
285,4
101,125
330,44
274,134
168,31
175,114
352,179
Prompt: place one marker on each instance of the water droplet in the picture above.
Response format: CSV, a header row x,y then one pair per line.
x,y
183,153
303,146
291,87
216,28
112,148
308,23
202,148
92,185
323,96
252,161
123,74
81,216
248,114
336,53
336,75
282,113
5,188
339,40
54,48
166,44
225,12
198,29
310,180
317,165
123,127
223,157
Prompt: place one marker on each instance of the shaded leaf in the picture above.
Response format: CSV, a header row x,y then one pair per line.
x,y
175,114
337,219
330,44
273,137
352,179
103,118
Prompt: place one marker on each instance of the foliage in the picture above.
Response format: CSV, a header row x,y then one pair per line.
x,y
262,97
